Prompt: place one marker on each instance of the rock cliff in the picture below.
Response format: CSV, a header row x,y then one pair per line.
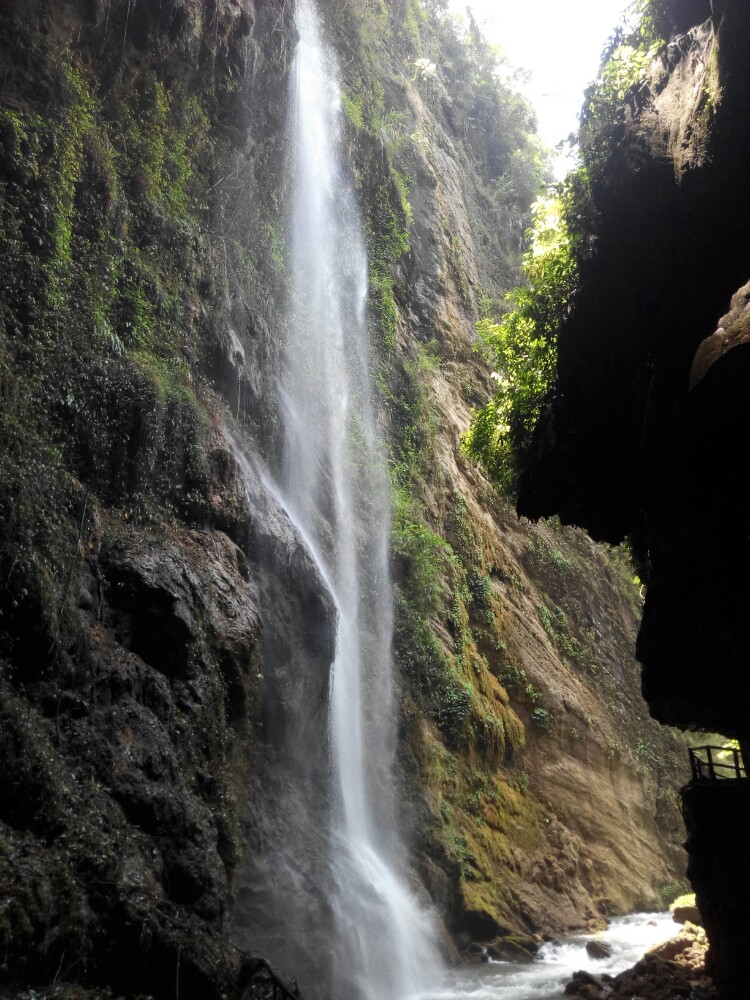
x,y
642,431
514,642
165,639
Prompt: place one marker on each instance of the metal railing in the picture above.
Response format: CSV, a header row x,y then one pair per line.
x,y
716,763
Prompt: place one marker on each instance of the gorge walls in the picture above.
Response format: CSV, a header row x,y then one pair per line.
x,y
643,429
131,636
167,638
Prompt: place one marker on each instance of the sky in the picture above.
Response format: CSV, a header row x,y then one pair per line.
x,y
559,42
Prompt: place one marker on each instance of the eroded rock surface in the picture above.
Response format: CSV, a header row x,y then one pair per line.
x,y
117,774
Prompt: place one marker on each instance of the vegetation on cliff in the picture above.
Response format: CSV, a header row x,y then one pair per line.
x,y
128,642
522,344
641,431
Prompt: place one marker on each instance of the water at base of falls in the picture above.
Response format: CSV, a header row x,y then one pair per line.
x,y
628,937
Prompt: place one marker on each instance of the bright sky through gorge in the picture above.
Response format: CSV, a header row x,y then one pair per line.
x,y
559,42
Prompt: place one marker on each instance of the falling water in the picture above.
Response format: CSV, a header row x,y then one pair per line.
x,y
335,488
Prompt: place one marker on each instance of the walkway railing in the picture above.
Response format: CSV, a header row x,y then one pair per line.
x,y
715,763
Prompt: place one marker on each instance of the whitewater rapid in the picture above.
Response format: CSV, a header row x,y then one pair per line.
x,y
628,938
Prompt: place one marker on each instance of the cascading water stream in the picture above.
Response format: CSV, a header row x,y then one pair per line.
x,y
335,489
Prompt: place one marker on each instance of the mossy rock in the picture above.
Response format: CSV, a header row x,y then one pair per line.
x,y
513,948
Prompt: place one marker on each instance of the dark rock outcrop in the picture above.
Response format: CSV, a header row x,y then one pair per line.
x,y
117,766
626,447
716,816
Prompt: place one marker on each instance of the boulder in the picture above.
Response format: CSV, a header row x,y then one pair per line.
x,y
596,924
685,910
590,991
598,949
687,948
583,984
687,915
512,949
582,976
673,969
476,953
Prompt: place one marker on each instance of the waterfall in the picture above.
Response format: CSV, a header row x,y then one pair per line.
x,y
335,489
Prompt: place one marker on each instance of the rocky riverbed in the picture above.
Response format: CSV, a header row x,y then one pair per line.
x,y
545,976
676,968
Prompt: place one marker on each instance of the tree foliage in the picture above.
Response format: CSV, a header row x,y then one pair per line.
x,y
482,98
522,347
627,55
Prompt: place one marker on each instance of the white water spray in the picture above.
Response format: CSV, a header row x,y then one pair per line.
x,y
335,488
627,937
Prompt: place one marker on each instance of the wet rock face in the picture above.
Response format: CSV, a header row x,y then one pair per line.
x,y
127,732
115,785
187,613
285,871
183,23
130,631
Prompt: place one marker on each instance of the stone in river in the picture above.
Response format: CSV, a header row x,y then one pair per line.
x,y
598,949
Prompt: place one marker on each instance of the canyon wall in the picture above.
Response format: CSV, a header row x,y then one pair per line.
x,y
642,432
165,638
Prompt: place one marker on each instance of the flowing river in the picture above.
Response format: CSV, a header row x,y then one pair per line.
x,y
628,937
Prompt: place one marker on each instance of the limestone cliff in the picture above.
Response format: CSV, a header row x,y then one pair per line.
x,y
165,640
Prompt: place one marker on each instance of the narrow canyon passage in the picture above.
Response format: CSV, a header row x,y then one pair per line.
x,y
373,529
